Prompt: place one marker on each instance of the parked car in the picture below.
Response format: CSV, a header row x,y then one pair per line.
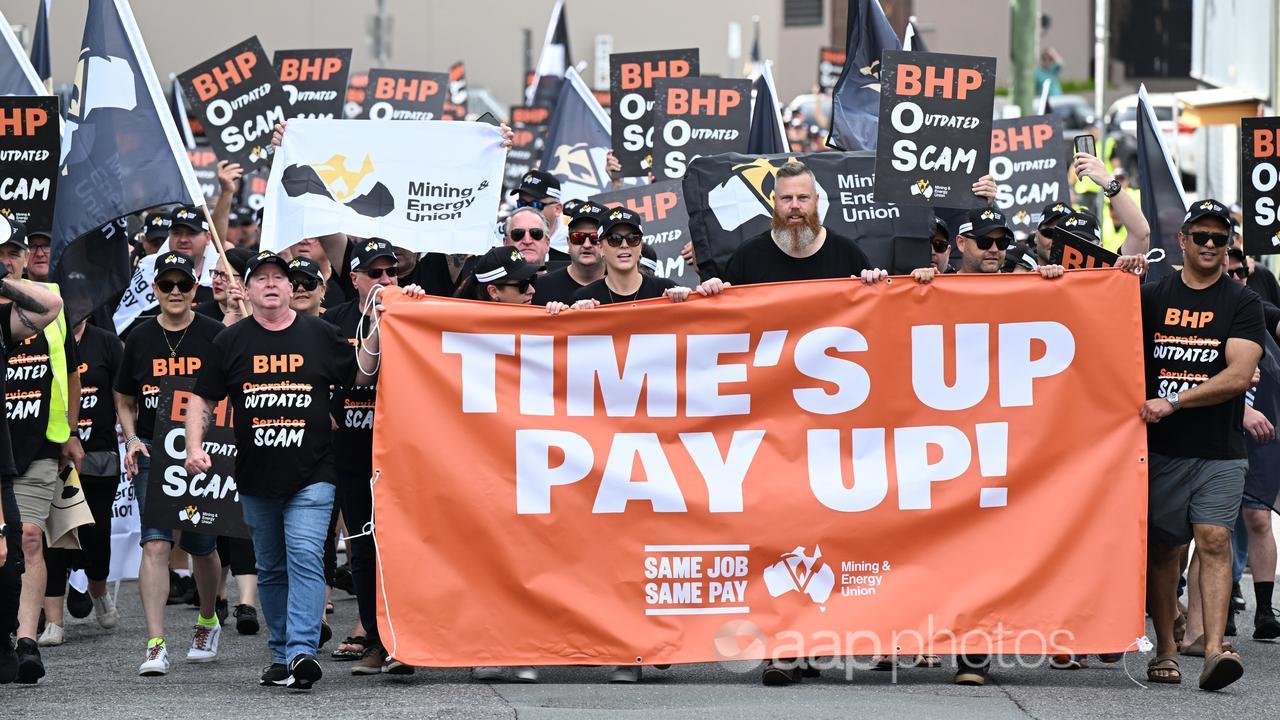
x,y
1180,139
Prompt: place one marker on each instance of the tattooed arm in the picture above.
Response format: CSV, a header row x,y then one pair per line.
x,y
199,415
34,306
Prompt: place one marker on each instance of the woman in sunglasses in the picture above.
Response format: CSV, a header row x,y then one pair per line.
x,y
502,275
307,278
623,281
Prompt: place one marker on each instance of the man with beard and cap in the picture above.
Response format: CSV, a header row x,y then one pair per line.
x,y
586,264
540,190
797,247
982,239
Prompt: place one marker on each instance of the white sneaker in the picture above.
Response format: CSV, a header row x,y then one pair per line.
x,y
625,674
104,609
52,636
157,662
204,643
526,674
486,673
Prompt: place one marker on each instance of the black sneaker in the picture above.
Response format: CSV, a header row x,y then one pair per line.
x,y
79,604
190,592
326,634
8,662
220,610
1237,597
778,674
1266,626
276,675
246,619
30,667
1230,630
304,671
972,669
177,591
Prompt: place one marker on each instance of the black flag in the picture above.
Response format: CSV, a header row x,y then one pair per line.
x,y
1163,202
855,101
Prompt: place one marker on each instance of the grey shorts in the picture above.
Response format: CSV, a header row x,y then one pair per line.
x,y
35,490
1191,491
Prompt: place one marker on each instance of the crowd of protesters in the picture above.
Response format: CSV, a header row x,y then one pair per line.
x,y
1209,447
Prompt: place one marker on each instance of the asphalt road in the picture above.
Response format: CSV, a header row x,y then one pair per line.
x,y
94,675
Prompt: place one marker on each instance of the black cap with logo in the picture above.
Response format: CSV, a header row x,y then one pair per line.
x,y
1082,225
540,184
242,217
157,226
13,232
266,257
589,211
189,216
1209,208
620,216
571,207
503,265
367,251
1054,211
984,221
306,267
174,260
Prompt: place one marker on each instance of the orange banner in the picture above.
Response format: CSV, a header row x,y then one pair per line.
x,y
805,469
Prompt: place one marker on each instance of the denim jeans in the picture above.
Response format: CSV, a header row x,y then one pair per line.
x,y
288,538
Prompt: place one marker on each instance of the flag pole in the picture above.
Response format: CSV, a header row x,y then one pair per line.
x,y
222,253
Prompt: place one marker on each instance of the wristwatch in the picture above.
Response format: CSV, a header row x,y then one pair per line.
x,y
2,527
1112,189
1172,397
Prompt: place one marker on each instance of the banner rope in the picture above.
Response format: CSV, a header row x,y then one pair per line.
x,y
368,529
1141,645
374,324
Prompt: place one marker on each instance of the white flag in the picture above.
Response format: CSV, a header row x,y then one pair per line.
x,y
427,186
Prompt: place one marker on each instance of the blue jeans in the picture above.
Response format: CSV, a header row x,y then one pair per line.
x,y
291,572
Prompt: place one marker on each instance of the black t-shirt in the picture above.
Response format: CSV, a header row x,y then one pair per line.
x,y
100,356
28,392
555,286
431,274
650,287
7,469
151,353
352,406
211,309
279,381
1185,334
1264,283
759,260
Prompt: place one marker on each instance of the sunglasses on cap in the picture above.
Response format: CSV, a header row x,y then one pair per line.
x,y
308,283
1241,272
985,243
631,239
184,285
518,233
377,273
535,204
1204,237
579,237
940,244
522,286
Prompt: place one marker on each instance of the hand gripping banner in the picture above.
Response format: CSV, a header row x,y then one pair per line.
x,y
789,470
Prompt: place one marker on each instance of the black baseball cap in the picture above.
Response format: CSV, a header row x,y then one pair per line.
x,y
266,257
539,184
938,224
1209,208
305,266
1236,253
13,232
620,216
1054,211
189,216
369,250
241,217
983,221
571,207
589,211
1082,225
1019,254
649,257
157,226
502,265
174,260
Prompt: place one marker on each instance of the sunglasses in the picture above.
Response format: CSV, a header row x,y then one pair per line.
x,y
616,240
985,243
377,273
1241,272
518,234
579,237
1202,237
535,204
940,245
184,285
307,283
522,286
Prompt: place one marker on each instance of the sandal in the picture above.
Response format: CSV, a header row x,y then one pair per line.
x,y
1164,670
1068,662
1196,647
1180,625
1221,670
345,651
928,661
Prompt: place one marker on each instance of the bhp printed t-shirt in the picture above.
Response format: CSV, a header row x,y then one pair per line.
x,y
100,355
352,406
151,353
28,393
1185,335
278,382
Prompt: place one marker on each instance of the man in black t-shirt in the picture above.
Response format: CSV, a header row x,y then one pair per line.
x,y
25,310
277,367
797,247
175,342
1203,337
586,264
